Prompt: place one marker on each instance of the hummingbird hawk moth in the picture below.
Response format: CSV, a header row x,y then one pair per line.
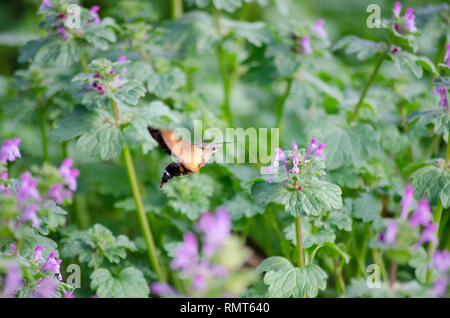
x,y
190,157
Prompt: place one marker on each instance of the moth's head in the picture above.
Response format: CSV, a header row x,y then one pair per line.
x,y
211,147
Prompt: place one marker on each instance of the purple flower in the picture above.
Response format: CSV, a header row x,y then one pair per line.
x,y
30,215
295,162
319,151
38,254
294,147
318,28
52,264
305,42
62,31
407,201
443,94
3,176
13,281
162,289
27,188
389,237
397,9
429,235
215,228
46,288
68,174
10,150
68,295
186,255
441,260
45,4
94,13
410,23
447,55
122,59
199,281
312,146
279,156
422,214
440,288
58,193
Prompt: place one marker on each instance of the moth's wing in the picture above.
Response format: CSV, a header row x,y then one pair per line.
x,y
157,135
187,153
174,169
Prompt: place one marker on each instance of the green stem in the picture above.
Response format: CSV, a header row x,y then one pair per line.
x,y
226,109
298,235
43,126
354,115
145,226
431,247
447,155
282,102
339,276
393,273
84,63
176,9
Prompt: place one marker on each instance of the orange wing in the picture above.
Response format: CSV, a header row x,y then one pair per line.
x,y
187,153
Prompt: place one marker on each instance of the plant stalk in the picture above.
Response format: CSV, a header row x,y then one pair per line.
x,y
176,9
298,232
431,247
355,113
43,126
447,155
282,102
226,109
143,222
392,273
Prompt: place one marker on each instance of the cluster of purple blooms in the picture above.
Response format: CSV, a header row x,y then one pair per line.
x,y
100,81
407,22
314,149
305,41
61,29
421,217
28,201
441,91
193,262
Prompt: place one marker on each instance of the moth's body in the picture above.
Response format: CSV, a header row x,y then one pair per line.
x,y
190,157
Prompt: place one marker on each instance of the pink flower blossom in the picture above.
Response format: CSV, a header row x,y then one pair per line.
x,y
279,156
429,235
186,255
27,188
38,254
407,201
305,42
122,59
68,174
10,150
62,31
215,228
294,147
397,9
46,288
389,237
52,264
30,215
94,13
45,4
318,28
441,260
422,214
312,146
295,162
68,295
439,288
319,151
58,193
13,281
410,23
447,55
162,289
443,102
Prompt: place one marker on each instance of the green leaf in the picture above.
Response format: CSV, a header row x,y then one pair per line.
x,y
363,48
367,207
103,140
347,145
432,182
190,196
129,283
242,206
130,93
163,85
77,123
285,280
335,250
419,261
342,218
255,33
227,5
58,53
